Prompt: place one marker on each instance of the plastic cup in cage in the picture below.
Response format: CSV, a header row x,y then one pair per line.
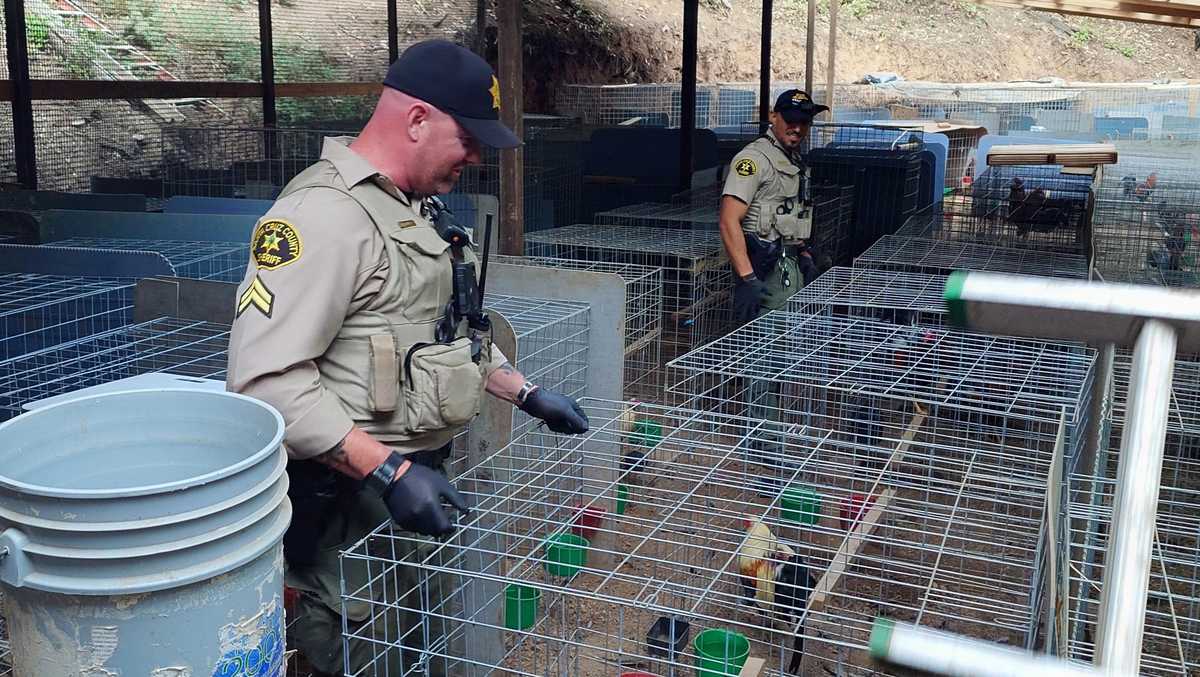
x,y
587,521
565,554
720,653
801,504
520,606
853,508
647,432
622,498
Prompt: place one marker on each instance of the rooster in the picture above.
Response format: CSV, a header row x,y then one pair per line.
x,y
1035,211
776,580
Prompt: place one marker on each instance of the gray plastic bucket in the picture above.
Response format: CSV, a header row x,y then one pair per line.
x,y
143,532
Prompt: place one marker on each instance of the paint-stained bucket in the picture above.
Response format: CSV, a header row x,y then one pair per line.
x,y
141,534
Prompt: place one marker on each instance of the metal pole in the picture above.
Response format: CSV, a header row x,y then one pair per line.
x,y
1135,505
687,93
1094,461
480,27
764,69
393,29
810,45
943,653
267,52
24,140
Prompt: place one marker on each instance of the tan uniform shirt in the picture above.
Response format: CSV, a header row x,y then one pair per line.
x,y
764,177
320,263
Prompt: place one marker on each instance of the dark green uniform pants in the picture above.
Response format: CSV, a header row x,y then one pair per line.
x,y
763,395
383,597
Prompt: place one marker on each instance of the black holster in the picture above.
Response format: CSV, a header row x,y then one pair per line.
x,y
316,491
764,256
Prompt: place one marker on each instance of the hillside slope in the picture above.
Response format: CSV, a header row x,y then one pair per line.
x,y
615,41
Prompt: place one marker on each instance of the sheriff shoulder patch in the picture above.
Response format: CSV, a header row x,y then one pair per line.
x,y
745,167
258,296
276,243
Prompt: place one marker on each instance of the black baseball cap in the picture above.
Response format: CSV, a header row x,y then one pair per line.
x,y
795,105
459,83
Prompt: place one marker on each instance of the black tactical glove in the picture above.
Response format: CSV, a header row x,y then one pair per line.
x,y
561,413
748,296
415,501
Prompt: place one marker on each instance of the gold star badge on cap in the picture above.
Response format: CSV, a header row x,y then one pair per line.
x,y
495,90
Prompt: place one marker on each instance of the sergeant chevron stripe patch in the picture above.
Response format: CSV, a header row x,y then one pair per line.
x,y
256,295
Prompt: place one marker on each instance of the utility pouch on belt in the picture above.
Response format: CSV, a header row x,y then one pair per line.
x,y
442,383
764,256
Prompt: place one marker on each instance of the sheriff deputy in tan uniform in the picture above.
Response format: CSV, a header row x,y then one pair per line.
x,y
766,210
343,325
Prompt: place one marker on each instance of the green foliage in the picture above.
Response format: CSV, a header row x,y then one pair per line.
x,y
145,27
1082,36
859,8
80,56
1127,52
37,31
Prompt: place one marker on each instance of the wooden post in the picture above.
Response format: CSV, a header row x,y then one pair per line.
x,y
24,141
832,58
480,26
764,69
810,43
512,107
687,91
393,29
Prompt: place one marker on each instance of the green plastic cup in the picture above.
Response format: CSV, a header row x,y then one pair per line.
x,y
622,498
720,653
520,606
566,554
647,432
801,504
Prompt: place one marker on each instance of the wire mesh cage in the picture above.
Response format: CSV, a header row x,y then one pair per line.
x,y
1148,227
38,311
6,662
220,261
643,317
663,215
941,257
832,225
1019,206
884,295
577,563
1171,642
180,347
696,275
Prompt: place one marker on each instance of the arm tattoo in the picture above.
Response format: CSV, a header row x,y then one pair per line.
x,y
337,459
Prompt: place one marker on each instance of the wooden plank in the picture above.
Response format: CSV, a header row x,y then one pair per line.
x,y
810,44
865,526
753,667
1117,13
96,90
512,98
831,58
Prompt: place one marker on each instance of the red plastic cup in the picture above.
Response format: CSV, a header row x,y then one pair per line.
x,y
852,509
587,521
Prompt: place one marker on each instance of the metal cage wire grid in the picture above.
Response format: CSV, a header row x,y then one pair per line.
x,y
643,317
886,295
1171,644
941,532
696,276
182,347
37,311
220,261
919,255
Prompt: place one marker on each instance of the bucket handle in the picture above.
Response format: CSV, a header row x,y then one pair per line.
x,y
14,563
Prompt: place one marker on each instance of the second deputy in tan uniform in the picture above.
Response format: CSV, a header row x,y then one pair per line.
x,y
766,211
343,325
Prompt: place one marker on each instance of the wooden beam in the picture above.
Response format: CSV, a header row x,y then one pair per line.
x,y
764,63
97,90
810,45
266,48
512,109
393,29
20,93
687,91
1101,11
832,57
858,536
